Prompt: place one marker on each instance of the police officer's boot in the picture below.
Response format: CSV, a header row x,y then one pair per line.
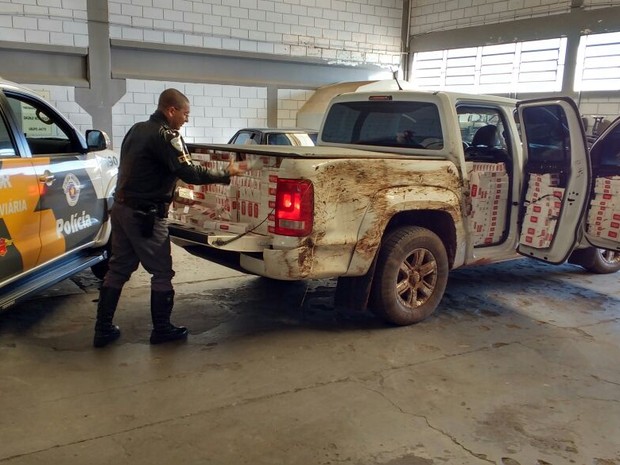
x,y
105,331
161,308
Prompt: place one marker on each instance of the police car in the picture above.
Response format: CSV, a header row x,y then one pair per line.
x,y
55,192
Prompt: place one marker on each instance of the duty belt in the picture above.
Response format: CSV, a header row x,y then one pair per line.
x,y
143,205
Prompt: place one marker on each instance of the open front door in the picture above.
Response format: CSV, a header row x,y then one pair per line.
x,y
557,179
603,219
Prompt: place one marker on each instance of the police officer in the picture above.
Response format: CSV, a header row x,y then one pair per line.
x,y
153,157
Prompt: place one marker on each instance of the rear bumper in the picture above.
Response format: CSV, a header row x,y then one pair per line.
x,y
300,263
248,242
253,254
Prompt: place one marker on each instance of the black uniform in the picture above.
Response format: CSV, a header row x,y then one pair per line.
x,y
153,157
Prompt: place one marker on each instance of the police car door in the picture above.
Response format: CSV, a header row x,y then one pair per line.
x,y
19,196
556,179
71,210
603,216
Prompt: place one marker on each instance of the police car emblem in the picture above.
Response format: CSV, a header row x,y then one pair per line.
x,y
71,188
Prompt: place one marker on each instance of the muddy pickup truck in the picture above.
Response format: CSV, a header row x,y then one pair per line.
x,y
405,186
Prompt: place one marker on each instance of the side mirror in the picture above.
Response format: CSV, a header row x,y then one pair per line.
x,y
97,140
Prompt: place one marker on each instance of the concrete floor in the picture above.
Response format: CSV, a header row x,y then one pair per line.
x,y
519,366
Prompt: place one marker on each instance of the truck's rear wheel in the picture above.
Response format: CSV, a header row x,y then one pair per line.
x,y
596,260
411,275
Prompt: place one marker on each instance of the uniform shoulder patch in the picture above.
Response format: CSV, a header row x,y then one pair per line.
x,y
172,137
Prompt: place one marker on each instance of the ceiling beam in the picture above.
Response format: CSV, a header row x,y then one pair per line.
x,y
140,60
44,64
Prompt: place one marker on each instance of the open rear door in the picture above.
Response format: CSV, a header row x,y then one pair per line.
x,y
603,218
557,178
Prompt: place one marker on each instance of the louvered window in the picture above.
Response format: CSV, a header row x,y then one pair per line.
x,y
598,62
533,66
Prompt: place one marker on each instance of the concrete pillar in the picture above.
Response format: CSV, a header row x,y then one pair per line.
x,y
272,106
103,91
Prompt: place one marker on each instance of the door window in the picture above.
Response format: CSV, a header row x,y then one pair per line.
x,y
603,220
606,152
556,178
45,131
489,163
244,138
547,135
278,139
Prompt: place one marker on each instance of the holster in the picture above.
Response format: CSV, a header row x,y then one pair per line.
x,y
146,215
162,210
146,211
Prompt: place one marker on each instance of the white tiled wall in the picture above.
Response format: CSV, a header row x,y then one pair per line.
x,y
431,15
609,108
216,111
57,22
601,3
289,103
356,31
360,31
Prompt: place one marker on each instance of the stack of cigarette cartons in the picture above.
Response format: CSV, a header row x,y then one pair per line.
x,y
257,192
604,213
544,202
246,204
209,206
489,194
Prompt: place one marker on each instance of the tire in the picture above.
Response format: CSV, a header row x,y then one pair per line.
x,y
411,276
599,261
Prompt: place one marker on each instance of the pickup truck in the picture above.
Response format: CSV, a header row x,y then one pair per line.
x,y
404,186
55,191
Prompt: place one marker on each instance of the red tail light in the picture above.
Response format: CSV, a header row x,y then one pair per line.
x,y
294,211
